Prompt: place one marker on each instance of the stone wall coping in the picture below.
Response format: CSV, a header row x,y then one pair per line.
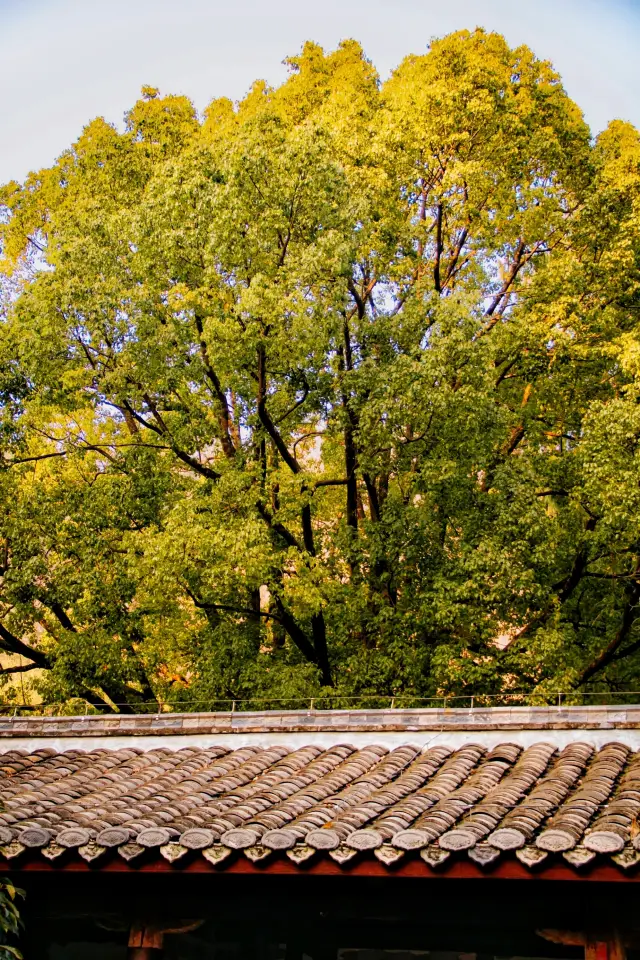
x,y
455,719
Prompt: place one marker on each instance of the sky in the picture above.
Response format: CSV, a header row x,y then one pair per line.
x,y
64,62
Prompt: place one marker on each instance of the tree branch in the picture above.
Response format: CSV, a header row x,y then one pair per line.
x,y
266,420
244,611
566,587
436,266
58,611
307,436
295,406
42,456
341,482
296,633
197,467
360,299
224,418
518,261
162,430
374,503
138,418
12,644
606,656
277,527
24,668
350,427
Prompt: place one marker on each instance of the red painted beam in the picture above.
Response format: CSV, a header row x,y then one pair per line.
x,y
325,866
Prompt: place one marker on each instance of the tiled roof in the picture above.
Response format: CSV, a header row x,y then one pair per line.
x,y
342,801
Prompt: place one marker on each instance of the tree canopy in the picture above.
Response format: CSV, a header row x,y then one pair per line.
x,y
334,391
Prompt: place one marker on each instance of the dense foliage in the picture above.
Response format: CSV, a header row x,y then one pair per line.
x,y
10,922
333,391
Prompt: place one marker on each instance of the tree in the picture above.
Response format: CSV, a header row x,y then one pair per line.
x,y
333,392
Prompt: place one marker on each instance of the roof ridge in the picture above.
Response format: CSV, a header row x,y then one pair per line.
x,y
406,720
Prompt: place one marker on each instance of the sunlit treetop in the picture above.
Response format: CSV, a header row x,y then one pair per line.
x,y
330,391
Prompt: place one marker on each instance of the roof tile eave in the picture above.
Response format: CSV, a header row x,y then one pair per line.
x,y
527,804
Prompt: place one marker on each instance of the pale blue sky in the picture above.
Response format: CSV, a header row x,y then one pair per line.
x,y
63,62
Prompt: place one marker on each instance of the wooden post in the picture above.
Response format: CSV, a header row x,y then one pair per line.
x,y
145,942
596,950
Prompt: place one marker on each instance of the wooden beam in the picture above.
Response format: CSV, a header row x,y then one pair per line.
x,y
146,938
598,945
325,866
